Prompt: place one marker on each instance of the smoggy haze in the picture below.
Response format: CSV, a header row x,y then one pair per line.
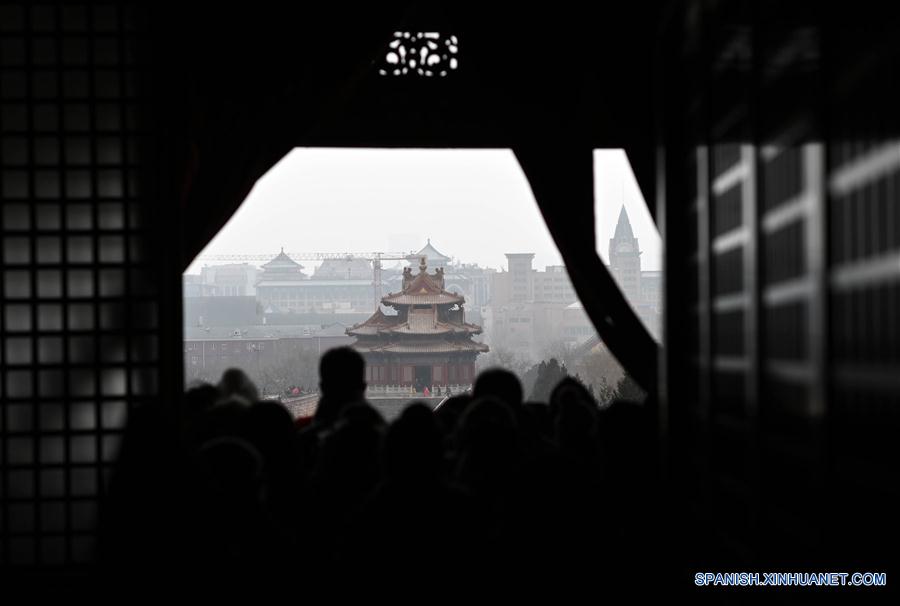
x,y
475,205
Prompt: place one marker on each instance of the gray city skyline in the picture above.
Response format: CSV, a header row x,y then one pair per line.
x,y
474,205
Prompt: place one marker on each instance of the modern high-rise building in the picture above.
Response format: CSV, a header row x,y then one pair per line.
x,y
553,286
531,311
521,280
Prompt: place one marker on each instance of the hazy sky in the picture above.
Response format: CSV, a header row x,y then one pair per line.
x,y
475,205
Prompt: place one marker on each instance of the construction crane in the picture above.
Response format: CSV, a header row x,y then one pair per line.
x,y
375,258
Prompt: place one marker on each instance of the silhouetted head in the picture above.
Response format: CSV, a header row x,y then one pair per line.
x,y
347,466
413,447
540,418
228,468
341,381
627,432
569,389
488,428
501,384
268,426
235,382
226,418
364,414
198,400
575,413
342,374
449,412
201,397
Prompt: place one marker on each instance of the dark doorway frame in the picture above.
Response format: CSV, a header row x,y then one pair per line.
x,y
422,376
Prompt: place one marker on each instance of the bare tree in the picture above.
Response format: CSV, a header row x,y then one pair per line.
x,y
562,351
600,370
504,358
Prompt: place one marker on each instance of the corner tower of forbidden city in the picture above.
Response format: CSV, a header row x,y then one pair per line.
x,y
427,343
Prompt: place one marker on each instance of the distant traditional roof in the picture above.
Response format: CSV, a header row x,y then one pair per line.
x,y
344,269
282,262
434,257
623,227
376,322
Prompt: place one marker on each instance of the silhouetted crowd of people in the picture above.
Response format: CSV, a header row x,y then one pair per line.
x,y
486,489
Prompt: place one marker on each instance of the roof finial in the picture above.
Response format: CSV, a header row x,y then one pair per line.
x,y
422,265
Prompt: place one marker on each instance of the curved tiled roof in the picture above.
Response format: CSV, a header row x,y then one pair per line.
x,y
426,347
432,328
374,324
418,322
282,261
423,289
423,299
424,324
433,255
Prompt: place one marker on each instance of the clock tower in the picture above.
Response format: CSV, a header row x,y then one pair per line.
x,y
625,259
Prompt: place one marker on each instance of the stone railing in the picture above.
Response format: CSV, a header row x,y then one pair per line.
x,y
392,391
301,406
